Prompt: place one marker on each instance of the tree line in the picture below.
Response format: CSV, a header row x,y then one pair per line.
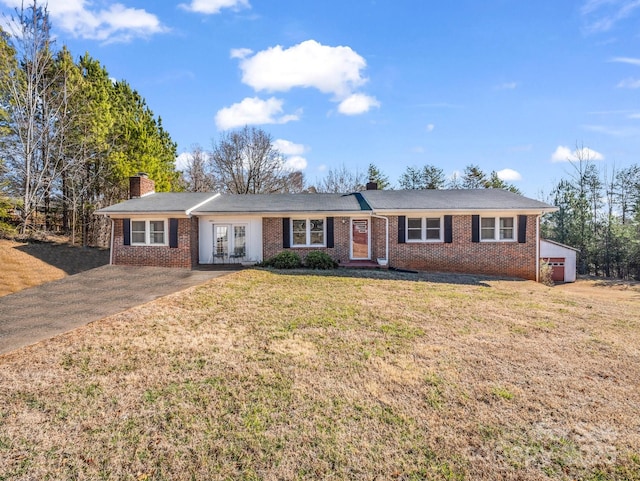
x,y
70,136
599,214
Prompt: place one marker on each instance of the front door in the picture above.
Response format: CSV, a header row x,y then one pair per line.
x,y
229,243
360,239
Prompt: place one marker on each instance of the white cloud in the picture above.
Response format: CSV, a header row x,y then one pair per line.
x,y
356,104
287,147
633,116
253,111
295,163
602,15
507,86
183,160
240,52
211,7
565,154
293,153
509,175
430,127
629,83
629,60
335,70
115,23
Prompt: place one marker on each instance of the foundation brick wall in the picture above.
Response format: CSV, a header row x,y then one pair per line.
x,y
159,256
272,239
510,259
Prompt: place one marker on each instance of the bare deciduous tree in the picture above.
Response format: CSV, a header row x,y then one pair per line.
x,y
197,175
341,180
246,162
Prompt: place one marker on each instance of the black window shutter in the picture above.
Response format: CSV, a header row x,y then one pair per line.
x,y
329,231
448,229
126,231
173,233
522,229
402,220
286,234
475,228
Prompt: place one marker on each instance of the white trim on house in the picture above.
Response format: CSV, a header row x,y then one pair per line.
x,y
253,235
147,231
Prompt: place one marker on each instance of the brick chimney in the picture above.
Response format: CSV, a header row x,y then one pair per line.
x,y
140,185
372,186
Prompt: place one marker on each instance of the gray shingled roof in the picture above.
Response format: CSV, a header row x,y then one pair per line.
x,y
163,202
458,199
280,203
378,200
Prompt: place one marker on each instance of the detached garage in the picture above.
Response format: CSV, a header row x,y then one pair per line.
x,y
561,258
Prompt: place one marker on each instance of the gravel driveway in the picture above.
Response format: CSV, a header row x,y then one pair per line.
x,y
41,312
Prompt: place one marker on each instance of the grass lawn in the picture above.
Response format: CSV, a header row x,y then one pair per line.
x,y
24,265
267,375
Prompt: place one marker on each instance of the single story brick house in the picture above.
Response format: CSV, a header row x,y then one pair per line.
x,y
483,231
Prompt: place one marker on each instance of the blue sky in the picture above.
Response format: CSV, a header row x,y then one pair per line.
x,y
513,86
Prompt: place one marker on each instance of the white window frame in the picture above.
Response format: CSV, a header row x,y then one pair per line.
x,y
147,232
423,229
497,228
307,221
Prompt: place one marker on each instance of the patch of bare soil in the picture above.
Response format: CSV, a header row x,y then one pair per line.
x,y
28,264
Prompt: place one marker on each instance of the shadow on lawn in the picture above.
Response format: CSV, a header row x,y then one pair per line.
x,y
384,274
71,259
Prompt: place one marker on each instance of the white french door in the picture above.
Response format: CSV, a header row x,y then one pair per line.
x,y
229,243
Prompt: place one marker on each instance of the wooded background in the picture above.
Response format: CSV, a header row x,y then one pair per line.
x,y
70,136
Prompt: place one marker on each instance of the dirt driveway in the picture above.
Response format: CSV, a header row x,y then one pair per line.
x,y
41,312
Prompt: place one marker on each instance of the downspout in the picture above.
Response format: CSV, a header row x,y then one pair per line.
x,y
386,235
113,225
538,248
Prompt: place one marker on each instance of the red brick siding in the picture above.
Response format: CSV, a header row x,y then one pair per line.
x,y
159,256
272,239
492,258
139,186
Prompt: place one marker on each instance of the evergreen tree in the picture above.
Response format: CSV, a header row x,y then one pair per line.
x,y
374,174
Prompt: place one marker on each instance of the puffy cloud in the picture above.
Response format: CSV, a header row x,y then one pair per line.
x,y
430,127
565,154
336,70
629,83
240,52
253,111
210,7
507,86
509,175
356,104
183,160
293,153
295,163
287,147
115,23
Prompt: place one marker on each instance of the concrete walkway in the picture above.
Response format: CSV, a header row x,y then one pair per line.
x,y
41,312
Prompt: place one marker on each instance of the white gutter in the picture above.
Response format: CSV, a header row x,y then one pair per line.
x,y
538,248
386,235
113,226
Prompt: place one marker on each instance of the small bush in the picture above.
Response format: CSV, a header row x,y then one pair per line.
x,y
284,260
546,274
319,260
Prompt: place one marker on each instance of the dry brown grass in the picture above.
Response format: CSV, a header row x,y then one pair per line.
x,y
260,375
24,265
